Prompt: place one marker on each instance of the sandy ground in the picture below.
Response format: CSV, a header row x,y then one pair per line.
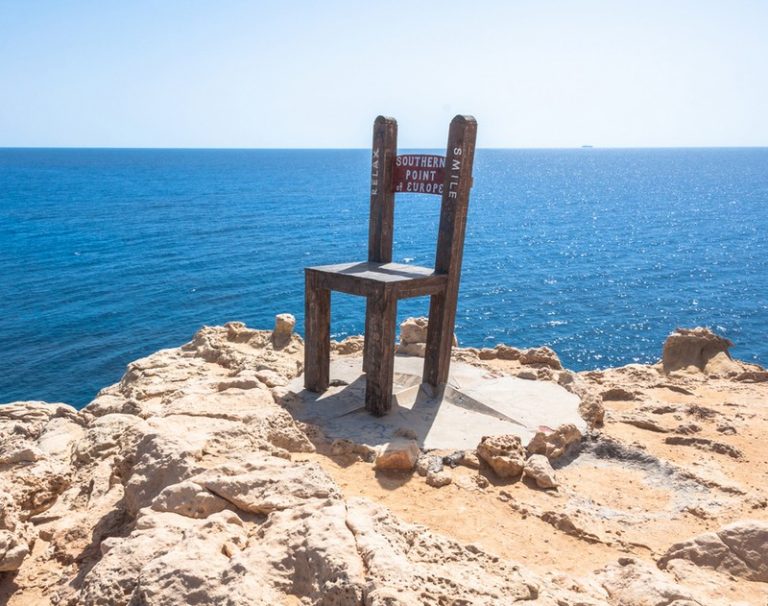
x,y
635,503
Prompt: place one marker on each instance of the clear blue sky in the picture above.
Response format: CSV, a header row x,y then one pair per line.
x,y
535,73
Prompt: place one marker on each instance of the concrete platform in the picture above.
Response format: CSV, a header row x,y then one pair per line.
x,y
475,403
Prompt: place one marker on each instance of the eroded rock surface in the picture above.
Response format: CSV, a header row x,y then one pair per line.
x,y
187,482
699,349
504,454
740,549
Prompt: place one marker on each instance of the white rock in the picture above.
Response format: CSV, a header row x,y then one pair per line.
x,y
284,325
12,551
538,468
739,549
505,454
189,499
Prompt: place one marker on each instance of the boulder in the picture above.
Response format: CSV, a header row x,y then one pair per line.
x,y
284,325
504,454
538,468
591,409
160,461
438,479
413,330
698,350
12,551
349,346
341,447
429,463
540,356
413,337
263,484
410,565
554,444
172,559
633,583
739,549
189,499
397,455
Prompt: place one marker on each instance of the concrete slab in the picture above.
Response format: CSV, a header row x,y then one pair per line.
x,y
474,403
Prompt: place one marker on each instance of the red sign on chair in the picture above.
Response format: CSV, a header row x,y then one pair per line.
x,y
419,174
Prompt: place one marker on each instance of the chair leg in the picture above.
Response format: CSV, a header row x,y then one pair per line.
x,y
381,354
370,318
317,346
437,357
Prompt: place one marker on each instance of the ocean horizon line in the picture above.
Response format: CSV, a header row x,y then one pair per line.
x,y
585,147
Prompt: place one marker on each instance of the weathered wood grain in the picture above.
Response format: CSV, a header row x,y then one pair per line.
x,y
381,363
382,216
317,331
450,247
383,283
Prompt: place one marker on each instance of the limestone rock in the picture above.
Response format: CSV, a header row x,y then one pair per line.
x,y
263,484
107,436
642,420
310,551
270,378
413,337
538,468
160,460
12,551
633,583
753,375
170,559
504,454
554,444
540,356
427,463
284,325
414,330
739,549
397,455
410,565
438,479
349,346
619,394
591,407
176,485
340,447
19,451
698,349
188,499
502,352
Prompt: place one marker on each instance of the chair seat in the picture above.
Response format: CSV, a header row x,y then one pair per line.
x,y
366,278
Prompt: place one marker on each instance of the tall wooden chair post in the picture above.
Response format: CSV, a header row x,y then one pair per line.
x,y
382,282
450,247
381,223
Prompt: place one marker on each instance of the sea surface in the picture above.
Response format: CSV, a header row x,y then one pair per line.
x,y
108,255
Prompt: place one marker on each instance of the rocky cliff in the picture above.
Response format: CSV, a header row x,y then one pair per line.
x,y
189,483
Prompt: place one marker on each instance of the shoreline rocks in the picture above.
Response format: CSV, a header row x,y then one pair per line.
x,y
186,481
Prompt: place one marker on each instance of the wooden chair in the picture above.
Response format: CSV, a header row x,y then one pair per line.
x,y
382,282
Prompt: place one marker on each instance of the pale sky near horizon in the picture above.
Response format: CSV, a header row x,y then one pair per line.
x,y
535,73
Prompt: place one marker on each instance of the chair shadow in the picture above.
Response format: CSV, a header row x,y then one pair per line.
x,y
340,412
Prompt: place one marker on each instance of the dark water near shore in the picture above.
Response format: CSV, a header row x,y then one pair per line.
x,y
109,255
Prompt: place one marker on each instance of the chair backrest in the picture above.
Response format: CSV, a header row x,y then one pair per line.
x,y
449,176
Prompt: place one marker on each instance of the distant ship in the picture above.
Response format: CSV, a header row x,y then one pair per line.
x,y
587,146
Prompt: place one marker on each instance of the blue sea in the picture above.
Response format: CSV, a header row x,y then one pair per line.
x,y
108,255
